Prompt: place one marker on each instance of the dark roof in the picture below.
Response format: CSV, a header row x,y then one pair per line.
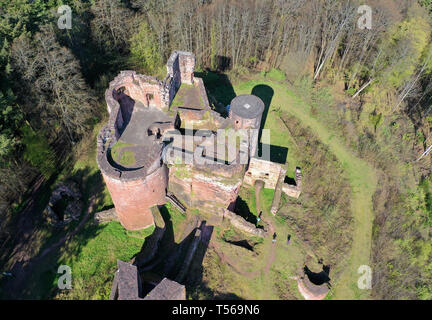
x,y
167,290
247,106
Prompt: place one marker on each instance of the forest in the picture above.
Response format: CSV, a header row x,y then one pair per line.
x,y
53,82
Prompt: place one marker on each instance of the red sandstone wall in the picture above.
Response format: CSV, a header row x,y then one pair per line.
x,y
132,199
208,195
140,93
187,67
202,194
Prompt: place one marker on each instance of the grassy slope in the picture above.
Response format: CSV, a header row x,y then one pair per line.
x,y
93,254
362,178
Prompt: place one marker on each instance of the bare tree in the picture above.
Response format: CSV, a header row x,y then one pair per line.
x,y
53,76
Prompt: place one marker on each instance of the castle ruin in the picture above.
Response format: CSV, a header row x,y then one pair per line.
x,y
163,142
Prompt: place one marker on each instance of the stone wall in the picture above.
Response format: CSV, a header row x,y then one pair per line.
x,y
204,191
181,66
205,186
126,284
294,190
150,91
278,192
106,216
241,224
133,191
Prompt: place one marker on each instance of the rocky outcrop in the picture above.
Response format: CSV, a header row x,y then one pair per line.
x,y
106,216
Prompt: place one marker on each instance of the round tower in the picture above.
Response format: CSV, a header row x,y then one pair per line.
x,y
246,112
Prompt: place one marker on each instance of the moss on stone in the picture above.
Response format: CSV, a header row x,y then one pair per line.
x,y
181,172
122,156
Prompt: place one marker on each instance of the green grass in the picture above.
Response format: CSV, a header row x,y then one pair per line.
x,y
275,74
178,100
361,175
93,254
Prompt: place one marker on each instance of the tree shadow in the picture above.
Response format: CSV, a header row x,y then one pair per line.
x,y
35,277
223,63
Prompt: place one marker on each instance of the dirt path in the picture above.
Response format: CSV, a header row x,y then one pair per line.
x,y
363,180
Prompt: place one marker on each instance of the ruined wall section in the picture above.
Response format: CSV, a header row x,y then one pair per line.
x,y
270,172
294,190
203,94
181,67
209,189
241,224
263,170
148,90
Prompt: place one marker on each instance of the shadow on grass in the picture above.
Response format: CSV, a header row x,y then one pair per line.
x,y
242,209
219,90
169,260
278,154
320,277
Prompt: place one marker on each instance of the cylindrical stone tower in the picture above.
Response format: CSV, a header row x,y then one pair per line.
x,y
246,112
133,198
